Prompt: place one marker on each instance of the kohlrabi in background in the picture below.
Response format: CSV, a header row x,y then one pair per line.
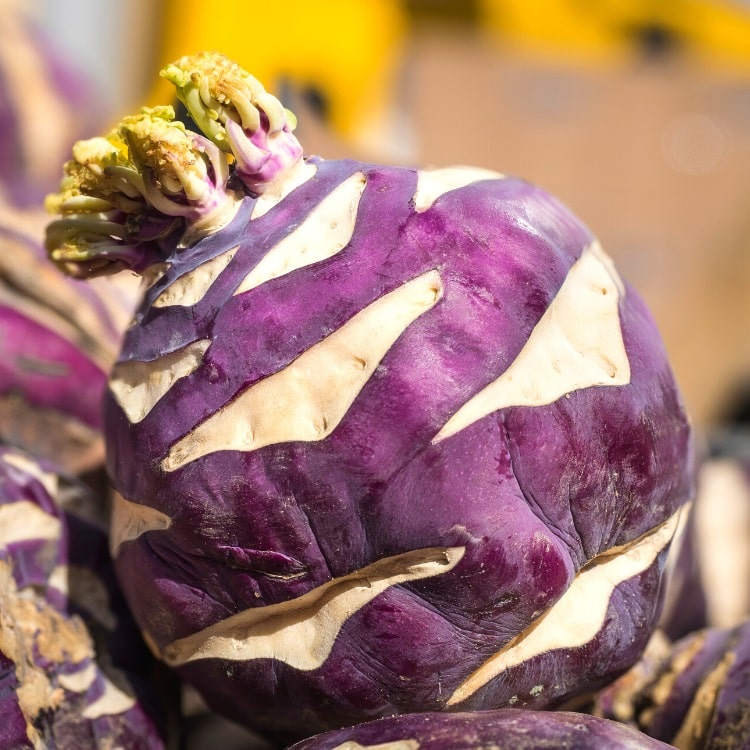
x,y
74,672
58,339
503,729
693,692
46,104
383,439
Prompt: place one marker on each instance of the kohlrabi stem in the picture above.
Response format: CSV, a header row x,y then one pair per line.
x,y
127,197
234,110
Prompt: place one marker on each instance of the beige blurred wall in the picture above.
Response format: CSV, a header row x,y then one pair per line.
x,y
654,156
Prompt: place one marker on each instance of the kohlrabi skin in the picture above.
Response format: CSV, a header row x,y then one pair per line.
x,y
58,339
74,672
693,693
502,729
383,439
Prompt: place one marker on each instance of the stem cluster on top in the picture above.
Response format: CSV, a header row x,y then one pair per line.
x,y
127,198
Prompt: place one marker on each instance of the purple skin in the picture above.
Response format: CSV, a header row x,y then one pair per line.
x,y
537,498
503,729
70,645
696,694
51,373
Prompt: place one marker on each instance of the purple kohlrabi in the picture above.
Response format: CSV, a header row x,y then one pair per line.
x,y
58,339
693,693
74,672
383,439
503,729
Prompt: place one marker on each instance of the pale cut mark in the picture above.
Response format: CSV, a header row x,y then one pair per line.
x,y
131,520
138,386
326,230
395,745
277,190
59,579
112,702
191,287
576,344
307,399
80,681
25,521
432,183
302,632
567,624
152,274
722,511
47,479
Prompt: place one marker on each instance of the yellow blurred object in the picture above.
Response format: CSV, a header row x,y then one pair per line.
x,y
716,32
342,53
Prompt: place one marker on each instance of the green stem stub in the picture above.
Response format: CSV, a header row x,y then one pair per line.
x,y
125,196
236,113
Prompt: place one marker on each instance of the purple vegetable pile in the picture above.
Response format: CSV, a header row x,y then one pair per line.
x,y
73,672
383,440
58,336
59,339
693,692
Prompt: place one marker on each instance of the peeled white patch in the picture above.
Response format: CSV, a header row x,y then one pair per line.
x,y
722,512
577,344
190,288
149,276
112,701
80,681
432,183
138,386
395,745
58,579
130,520
326,230
301,632
24,521
580,613
277,190
47,479
308,398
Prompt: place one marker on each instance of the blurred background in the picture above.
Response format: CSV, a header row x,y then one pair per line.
x,y
636,114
